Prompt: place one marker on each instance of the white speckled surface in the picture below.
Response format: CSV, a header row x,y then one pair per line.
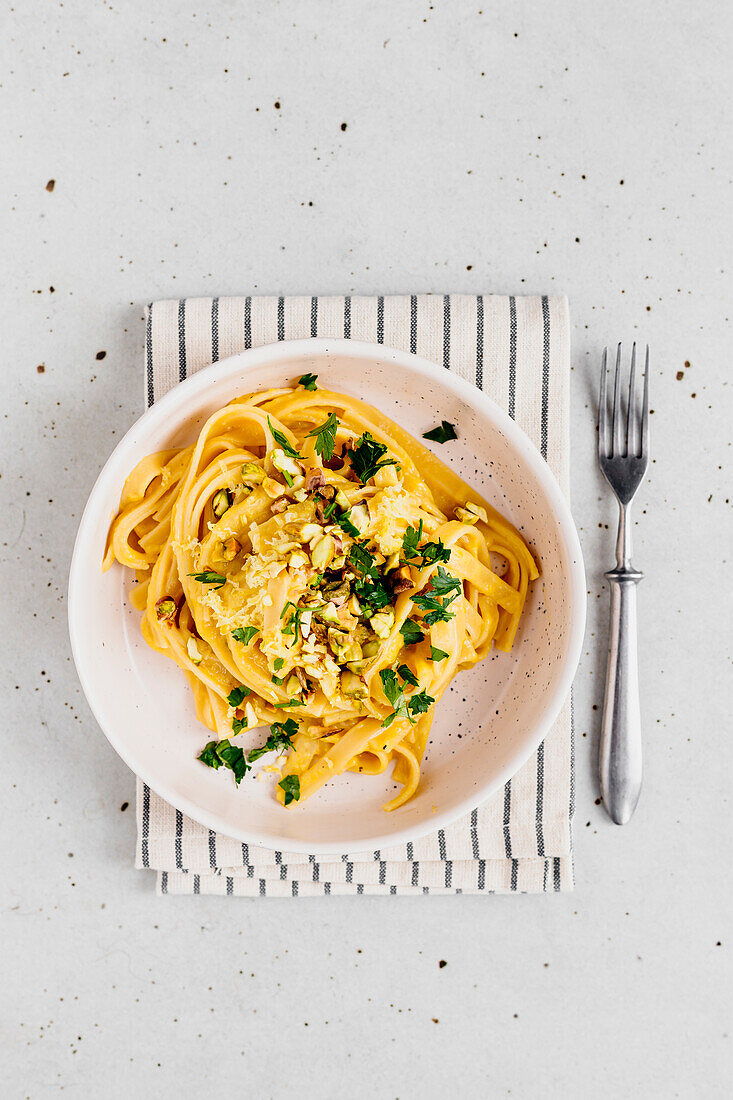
x,y
484,151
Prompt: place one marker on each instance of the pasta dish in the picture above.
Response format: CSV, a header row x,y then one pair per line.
x,y
313,568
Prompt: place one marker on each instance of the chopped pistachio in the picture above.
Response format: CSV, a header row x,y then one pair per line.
x,y
329,614
383,622
305,623
298,559
193,651
310,531
293,685
354,606
272,488
370,648
392,562
477,510
357,666
165,609
284,463
322,552
252,473
230,549
300,495
352,686
342,500
400,580
466,517
339,562
220,503
359,516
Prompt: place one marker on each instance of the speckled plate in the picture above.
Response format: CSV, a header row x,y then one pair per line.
x,y
487,724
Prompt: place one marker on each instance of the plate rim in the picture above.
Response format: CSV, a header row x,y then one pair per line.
x,y
295,350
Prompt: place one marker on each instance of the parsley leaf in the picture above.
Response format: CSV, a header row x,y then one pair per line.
x,y
326,437
407,675
290,703
291,786
436,611
437,654
238,725
282,441
244,634
308,381
395,696
445,583
434,551
420,702
209,578
442,434
235,697
345,524
362,560
371,594
410,539
281,734
430,552
219,754
411,632
367,457
278,663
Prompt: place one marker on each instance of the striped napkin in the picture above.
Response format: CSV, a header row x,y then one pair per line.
x,y
516,350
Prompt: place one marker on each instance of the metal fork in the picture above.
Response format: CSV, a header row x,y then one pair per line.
x,y
623,457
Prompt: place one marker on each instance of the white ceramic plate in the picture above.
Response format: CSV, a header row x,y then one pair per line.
x,y
487,724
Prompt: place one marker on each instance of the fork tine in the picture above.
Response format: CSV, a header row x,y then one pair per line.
x,y
630,406
645,409
603,408
616,425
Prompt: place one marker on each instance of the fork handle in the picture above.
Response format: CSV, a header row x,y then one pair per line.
x,y
620,759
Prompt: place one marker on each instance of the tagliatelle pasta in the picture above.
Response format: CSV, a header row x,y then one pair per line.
x,y
313,568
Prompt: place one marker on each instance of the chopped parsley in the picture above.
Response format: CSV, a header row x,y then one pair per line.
x,y
288,478
291,787
407,675
331,508
368,586
281,737
367,458
430,552
395,696
436,612
326,437
278,663
443,584
238,725
237,696
308,381
437,654
282,441
345,524
209,578
218,754
411,632
441,434
222,754
420,702
244,634
410,539
290,703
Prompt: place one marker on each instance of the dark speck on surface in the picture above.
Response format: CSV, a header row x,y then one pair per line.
x,y
680,375
50,185
101,354
277,104
442,963
41,368
343,125
124,806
